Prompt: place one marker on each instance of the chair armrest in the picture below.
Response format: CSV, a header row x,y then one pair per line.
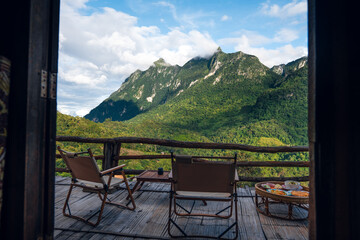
x,y
110,170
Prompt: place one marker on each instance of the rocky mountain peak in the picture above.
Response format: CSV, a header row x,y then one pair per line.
x,y
161,63
285,69
278,69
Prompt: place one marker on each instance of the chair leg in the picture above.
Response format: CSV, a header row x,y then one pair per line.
x,y
129,195
236,213
129,191
189,213
170,209
134,189
66,204
179,205
184,235
172,221
236,219
101,209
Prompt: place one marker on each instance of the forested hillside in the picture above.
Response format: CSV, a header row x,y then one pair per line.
x,y
230,98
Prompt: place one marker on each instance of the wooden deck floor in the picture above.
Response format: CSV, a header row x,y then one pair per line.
x,y
151,214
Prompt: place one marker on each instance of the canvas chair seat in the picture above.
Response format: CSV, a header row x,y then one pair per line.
x,y
236,175
201,195
115,182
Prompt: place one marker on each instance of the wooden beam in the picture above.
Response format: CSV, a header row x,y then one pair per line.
x,y
271,164
262,164
50,145
241,178
266,179
181,144
111,152
239,163
311,116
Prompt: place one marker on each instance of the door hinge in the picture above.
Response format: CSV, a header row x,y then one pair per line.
x,y
53,79
43,86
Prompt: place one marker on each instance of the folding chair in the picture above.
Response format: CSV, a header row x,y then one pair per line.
x,y
197,179
86,174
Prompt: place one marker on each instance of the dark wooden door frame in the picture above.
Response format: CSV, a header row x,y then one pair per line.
x,y
311,116
333,121
29,38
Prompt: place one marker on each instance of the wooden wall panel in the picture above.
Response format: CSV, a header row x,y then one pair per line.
x,y
333,72
31,43
5,65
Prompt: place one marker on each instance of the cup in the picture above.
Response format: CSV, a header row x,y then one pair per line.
x,y
160,171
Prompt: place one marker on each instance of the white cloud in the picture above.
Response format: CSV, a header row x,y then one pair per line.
x,y
274,56
286,35
288,10
225,18
281,50
255,38
99,50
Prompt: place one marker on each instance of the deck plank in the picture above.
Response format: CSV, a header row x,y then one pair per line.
x,y
249,220
275,228
151,216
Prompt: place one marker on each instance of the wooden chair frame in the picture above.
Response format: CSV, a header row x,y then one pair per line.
x,y
232,199
102,192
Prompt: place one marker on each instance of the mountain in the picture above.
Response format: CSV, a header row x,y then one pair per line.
x,y
230,98
222,98
144,90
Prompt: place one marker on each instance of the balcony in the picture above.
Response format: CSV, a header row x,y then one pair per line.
x,y
149,219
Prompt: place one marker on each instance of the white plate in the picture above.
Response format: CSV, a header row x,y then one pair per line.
x,y
295,189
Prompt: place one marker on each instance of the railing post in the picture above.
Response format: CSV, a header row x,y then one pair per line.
x,y
111,150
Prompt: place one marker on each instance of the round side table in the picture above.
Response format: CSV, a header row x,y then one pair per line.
x,y
267,198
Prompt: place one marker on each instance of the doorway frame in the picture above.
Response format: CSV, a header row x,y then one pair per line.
x,y
31,43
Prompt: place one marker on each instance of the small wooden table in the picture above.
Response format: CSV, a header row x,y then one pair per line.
x,y
268,198
150,176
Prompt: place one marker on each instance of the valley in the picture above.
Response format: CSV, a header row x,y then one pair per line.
x,y
228,98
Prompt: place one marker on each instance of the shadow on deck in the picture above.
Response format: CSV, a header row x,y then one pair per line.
x,y
149,220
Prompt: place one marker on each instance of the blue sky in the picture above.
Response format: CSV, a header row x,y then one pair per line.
x,y
103,41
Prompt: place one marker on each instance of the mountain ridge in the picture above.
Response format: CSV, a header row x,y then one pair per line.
x,y
228,98
144,90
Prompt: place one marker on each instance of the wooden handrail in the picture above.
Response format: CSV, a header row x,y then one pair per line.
x,y
241,178
239,163
201,145
181,144
266,179
244,164
272,164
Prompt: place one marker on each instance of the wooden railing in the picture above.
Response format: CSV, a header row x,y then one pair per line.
x,y
112,147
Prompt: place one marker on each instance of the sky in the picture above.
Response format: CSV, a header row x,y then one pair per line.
x,y
101,42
